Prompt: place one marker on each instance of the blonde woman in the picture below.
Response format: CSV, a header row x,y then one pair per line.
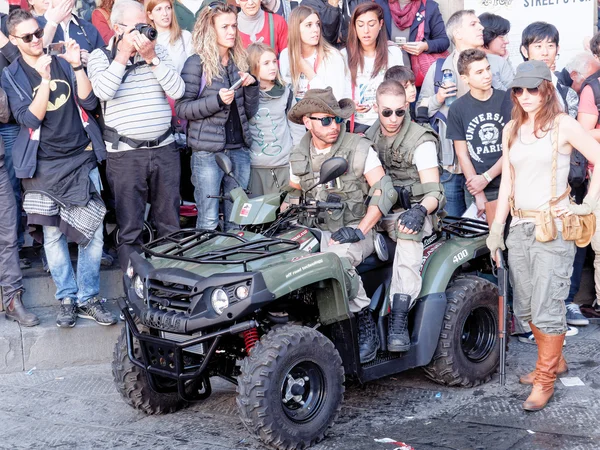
x,y
178,42
309,62
217,108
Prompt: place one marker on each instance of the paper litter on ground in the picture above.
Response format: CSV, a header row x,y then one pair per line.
x,y
572,381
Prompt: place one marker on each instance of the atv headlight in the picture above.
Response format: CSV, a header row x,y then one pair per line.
x,y
219,300
129,270
242,292
138,286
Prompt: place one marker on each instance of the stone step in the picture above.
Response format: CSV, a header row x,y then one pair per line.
x,y
48,347
40,289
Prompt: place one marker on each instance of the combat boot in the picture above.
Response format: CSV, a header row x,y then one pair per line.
x,y
17,312
368,338
398,339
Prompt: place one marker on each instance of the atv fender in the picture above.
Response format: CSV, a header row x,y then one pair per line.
x,y
447,256
328,272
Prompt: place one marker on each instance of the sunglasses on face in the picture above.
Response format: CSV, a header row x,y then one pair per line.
x,y
388,112
27,38
326,121
518,91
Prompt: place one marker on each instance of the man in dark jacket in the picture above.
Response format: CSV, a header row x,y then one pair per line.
x,y
52,155
134,78
10,272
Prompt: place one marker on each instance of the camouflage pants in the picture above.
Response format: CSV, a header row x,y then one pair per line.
x,y
540,274
356,252
406,276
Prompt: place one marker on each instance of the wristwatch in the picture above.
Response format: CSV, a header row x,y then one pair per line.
x,y
155,61
487,177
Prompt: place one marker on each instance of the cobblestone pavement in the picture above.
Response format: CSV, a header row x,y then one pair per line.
x,y
79,408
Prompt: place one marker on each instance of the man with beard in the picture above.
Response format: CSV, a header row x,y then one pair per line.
x,y
365,191
410,156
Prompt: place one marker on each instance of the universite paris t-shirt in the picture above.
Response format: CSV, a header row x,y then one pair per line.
x,y
480,124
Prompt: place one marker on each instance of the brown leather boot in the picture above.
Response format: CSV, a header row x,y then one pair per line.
x,y
562,369
17,312
549,353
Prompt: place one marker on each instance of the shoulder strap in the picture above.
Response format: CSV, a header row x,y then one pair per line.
x,y
554,200
272,30
438,76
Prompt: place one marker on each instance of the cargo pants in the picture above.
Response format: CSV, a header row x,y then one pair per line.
x,y
596,248
356,252
406,273
540,274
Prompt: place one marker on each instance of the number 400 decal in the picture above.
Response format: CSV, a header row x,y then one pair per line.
x,y
460,256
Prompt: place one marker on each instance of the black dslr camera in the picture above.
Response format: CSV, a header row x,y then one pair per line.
x,y
146,30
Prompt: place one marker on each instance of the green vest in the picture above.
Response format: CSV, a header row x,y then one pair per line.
x,y
352,187
397,157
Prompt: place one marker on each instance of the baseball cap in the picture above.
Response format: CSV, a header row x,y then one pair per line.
x,y
530,74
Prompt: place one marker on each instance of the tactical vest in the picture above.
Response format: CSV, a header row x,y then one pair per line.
x,y
397,157
352,187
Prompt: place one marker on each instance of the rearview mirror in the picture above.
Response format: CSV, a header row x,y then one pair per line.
x,y
332,169
224,163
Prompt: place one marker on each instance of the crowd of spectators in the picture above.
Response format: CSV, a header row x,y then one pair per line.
x,y
90,104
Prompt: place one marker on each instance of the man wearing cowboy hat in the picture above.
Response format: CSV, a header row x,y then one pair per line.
x,y
411,156
365,190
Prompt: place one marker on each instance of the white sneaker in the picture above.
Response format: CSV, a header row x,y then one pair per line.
x,y
574,316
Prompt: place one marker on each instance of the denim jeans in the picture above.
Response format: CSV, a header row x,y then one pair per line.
x,y
9,132
454,188
208,180
10,272
87,283
137,177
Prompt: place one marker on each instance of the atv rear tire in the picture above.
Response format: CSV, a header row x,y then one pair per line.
x,y
133,385
291,387
468,350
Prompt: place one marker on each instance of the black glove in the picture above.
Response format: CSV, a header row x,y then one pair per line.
x,y
414,218
347,235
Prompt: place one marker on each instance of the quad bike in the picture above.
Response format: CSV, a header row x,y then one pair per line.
x,y
263,309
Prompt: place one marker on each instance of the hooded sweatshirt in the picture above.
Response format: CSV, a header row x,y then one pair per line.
x,y
273,136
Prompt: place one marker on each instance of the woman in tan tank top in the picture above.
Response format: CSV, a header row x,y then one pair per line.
x,y
537,145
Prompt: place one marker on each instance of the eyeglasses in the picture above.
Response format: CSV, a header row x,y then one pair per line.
x,y
27,38
326,121
518,91
400,112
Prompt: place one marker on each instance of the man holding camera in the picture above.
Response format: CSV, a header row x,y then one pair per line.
x,y
410,156
56,155
133,77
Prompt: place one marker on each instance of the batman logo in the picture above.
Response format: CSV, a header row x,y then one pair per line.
x,y
60,92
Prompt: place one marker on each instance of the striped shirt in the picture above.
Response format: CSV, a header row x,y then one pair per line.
x,y
137,108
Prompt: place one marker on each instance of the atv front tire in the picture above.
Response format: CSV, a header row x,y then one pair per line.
x,y
468,350
133,385
291,387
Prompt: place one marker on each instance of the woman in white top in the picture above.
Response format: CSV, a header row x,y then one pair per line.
x,y
178,42
368,56
537,145
309,62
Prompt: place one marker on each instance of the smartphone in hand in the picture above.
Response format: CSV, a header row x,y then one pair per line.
x,y
57,48
236,85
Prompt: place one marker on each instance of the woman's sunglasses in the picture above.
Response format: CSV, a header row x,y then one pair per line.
x,y
518,91
326,121
388,112
27,38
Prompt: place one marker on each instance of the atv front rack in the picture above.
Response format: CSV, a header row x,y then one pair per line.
x,y
182,241
464,227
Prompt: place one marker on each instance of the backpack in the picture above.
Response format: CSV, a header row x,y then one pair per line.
x,y
578,169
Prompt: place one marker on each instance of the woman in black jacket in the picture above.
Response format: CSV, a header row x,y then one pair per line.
x,y
217,115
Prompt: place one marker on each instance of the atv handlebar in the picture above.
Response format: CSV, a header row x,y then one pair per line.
x,y
329,205
221,197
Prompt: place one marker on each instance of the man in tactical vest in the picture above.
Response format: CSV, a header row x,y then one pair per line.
x,y
410,154
365,191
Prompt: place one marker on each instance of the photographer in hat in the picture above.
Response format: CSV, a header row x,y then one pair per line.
x,y
366,192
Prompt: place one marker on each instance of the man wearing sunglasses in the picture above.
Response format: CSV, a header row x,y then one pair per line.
x,y
56,156
365,191
411,157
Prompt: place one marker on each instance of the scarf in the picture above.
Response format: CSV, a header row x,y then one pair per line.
x,y
404,16
251,25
